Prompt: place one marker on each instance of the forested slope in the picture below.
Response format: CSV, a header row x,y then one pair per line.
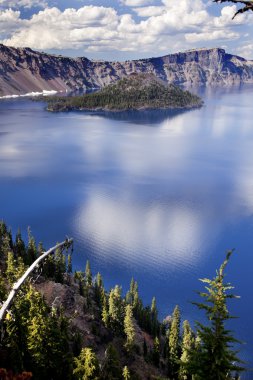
x,y
65,325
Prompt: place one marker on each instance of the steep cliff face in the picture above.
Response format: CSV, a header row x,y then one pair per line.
x,y
23,70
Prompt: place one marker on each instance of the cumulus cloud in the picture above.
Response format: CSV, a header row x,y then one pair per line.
x,y
149,11
136,3
179,24
246,50
211,36
22,3
9,21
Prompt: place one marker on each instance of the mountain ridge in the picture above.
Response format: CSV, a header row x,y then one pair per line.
x,y
23,70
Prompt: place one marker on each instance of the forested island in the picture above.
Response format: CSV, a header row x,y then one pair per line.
x,y
134,92
65,325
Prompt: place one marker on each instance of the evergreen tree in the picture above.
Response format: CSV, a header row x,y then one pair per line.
x,y
2,288
156,352
132,296
153,308
111,367
31,249
99,290
154,318
88,275
214,357
20,249
188,345
11,271
40,249
99,281
116,309
15,332
129,328
47,340
20,267
126,373
86,365
174,343
6,243
60,265
105,311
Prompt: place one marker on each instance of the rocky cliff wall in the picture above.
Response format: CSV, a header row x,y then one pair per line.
x,y
23,70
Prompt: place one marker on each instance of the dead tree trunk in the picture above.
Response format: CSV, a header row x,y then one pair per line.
x,y
18,284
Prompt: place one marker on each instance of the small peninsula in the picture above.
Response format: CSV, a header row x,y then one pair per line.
x,y
134,92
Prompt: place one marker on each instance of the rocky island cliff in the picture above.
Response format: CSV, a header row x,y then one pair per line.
x,y
23,70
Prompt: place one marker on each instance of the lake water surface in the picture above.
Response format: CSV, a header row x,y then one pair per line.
x,y
159,196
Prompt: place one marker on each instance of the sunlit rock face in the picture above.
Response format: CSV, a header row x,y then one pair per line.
x,y
23,70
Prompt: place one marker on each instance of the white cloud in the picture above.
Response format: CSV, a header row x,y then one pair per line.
x,y
172,25
149,11
246,50
23,3
211,36
137,3
9,21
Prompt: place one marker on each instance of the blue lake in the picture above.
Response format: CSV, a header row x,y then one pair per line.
x,y
156,195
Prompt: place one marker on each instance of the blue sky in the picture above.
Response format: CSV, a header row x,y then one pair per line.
x,y
124,29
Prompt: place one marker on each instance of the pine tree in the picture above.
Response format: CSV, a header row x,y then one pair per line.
x,y
11,271
214,357
86,365
132,296
20,267
154,318
31,249
111,367
60,265
156,352
105,311
2,288
47,340
99,290
20,246
40,249
116,309
188,345
129,328
126,373
174,343
88,275
99,281
153,308
37,333
6,244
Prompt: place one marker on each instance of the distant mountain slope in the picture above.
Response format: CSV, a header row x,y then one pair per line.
x,y
23,70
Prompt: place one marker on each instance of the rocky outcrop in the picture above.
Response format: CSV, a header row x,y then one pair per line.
x,y
23,70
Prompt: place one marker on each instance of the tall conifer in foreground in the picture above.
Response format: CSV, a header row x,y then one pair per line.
x,y
214,358
174,344
129,328
188,344
86,365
